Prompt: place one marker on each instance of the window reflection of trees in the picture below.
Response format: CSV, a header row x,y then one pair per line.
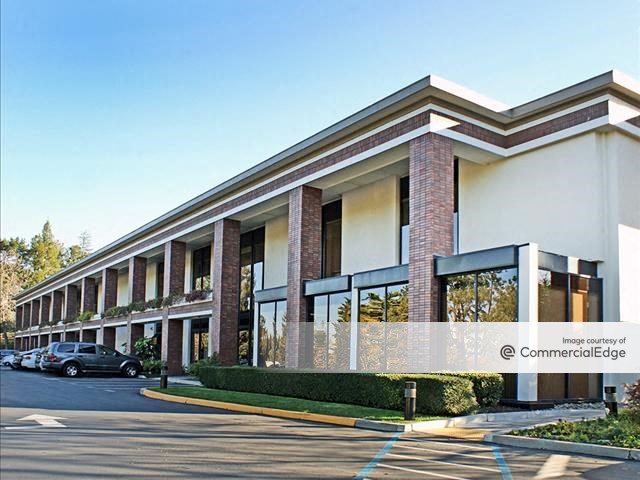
x,y
381,345
272,323
331,331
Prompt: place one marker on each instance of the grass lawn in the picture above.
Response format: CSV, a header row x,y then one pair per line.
x,y
288,403
623,431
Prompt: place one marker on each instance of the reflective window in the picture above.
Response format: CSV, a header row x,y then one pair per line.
x,y
199,339
159,279
87,349
272,322
404,220
331,315
331,239
66,348
489,296
251,280
552,296
201,268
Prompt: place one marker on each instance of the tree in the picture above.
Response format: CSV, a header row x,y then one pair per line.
x,y
77,252
46,254
14,275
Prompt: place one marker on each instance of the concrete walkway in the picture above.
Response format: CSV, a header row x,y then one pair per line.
x,y
185,380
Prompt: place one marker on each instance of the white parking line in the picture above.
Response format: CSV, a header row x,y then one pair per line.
x,y
433,474
444,442
554,467
448,452
442,462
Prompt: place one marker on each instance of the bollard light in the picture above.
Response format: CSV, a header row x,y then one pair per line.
x,y
164,375
610,400
409,400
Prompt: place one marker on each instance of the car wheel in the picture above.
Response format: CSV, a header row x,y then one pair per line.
x,y
11,366
71,370
130,371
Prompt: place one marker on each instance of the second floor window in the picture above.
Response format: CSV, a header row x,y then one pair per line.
x,y
404,220
201,269
332,239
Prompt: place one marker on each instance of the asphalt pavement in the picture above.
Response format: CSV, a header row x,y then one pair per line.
x,y
100,427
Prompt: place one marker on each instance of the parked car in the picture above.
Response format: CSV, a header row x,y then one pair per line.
x,y
31,359
16,362
74,358
8,360
6,353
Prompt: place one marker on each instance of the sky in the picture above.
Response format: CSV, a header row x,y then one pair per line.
x,y
114,112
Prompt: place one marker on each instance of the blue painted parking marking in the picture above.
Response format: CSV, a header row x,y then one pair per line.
x,y
502,463
379,456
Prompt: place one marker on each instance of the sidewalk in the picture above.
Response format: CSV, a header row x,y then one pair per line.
x,y
185,380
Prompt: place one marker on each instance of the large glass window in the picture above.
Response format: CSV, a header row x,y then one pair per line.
x,y
489,296
153,330
331,239
381,346
199,339
159,279
331,315
201,268
404,220
272,323
569,298
251,279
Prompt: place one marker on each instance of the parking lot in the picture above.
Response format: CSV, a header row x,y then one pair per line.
x,y
110,431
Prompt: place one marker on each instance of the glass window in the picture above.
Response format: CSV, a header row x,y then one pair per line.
x,y
330,315
159,279
87,349
489,296
332,239
404,220
102,350
201,268
66,348
552,296
199,339
251,279
272,323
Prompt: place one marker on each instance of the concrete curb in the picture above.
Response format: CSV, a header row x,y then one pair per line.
x,y
562,446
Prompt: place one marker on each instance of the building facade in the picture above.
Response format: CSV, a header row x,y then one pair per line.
x,y
429,205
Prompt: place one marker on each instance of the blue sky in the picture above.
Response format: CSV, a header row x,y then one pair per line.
x,y
113,112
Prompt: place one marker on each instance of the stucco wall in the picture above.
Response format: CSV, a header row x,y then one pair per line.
x,y
551,196
123,288
100,301
187,269
275,252
371,226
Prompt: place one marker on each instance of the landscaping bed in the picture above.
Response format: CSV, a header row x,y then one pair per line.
x,y
621,431
288,403
437,394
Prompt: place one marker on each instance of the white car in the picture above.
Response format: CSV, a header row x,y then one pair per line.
x,y
7,360
31,359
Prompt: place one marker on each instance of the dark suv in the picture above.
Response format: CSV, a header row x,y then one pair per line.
x,y
73,358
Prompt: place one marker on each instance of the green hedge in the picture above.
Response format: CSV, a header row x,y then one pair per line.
x,y
488,387
436,394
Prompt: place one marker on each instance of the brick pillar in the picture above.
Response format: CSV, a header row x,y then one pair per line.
x,y
56,311
88,335
45,309
88,301
35,312
135,331
26,316
109,288
225,280
18,318
174,262
430,220
71,302
171,351
304,262
138,279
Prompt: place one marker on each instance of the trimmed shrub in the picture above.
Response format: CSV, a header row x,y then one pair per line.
x,y
172,299
116,312
153,303
436,394
137,306
86,316
487,387
195,295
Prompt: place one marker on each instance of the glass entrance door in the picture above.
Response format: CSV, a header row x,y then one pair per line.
x,y
199,339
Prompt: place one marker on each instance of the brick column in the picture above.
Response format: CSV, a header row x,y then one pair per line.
x,y
171,348
109,288
138,279
35,312
71,302
88,300
304,262
56,311
135,331
26,316
225,280
430,220
174,261
88,335
18,318
108,336
45,309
